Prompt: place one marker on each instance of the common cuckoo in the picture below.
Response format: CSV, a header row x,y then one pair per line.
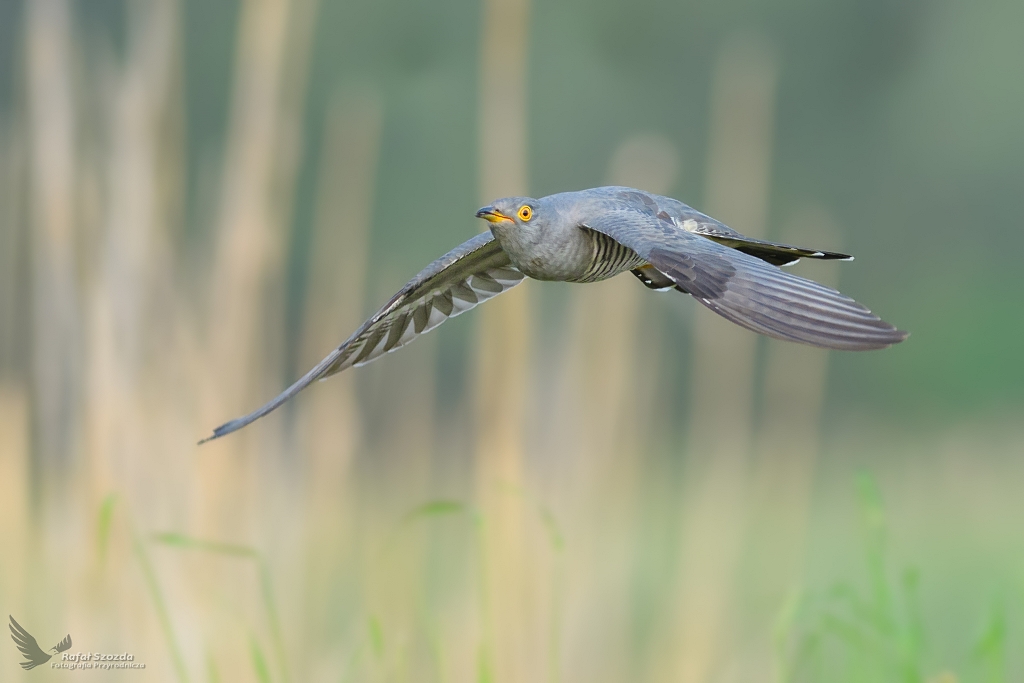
x,y
596,234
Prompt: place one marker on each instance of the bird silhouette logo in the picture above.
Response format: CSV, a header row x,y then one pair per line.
x,y
33,654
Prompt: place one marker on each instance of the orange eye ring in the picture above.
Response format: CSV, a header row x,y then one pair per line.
x,y
525,212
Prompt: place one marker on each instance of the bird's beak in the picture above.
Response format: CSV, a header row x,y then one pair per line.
x,y
492,215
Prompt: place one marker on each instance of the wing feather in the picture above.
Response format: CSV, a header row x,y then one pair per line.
x,y
747,290
466,276
691,220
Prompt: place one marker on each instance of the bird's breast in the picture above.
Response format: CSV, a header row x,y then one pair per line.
x,y
563,256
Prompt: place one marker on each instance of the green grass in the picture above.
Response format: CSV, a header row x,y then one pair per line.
x,y
990,650
864,628
184,542
259,661
104,524
442,508
876,632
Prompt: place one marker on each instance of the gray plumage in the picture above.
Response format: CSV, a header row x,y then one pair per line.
x,y
593,235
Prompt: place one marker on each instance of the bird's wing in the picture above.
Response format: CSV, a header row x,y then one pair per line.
x,y
745,289
691,220
471,273
64,644
28,646
773,252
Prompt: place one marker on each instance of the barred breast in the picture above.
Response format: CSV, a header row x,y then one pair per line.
x,y
609,258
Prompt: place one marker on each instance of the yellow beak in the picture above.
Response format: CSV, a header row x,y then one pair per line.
x,y
492,215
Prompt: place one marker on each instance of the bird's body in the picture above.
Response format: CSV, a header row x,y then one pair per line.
x,y
555,253
563,249
595,234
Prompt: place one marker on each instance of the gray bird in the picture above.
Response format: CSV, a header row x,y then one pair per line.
x,y
593,235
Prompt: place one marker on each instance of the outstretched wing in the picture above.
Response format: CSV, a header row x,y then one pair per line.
x,y
64,644
745,289
773,252
28,646
691,220
464,277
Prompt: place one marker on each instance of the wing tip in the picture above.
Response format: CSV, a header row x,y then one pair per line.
x,y
223,430
894,337
833,256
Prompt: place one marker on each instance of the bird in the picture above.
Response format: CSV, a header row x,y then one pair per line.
x,y
33,654
595,234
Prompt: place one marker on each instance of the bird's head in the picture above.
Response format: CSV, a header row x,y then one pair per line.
x,y
523,217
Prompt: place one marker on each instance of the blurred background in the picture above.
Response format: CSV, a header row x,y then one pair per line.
x,y
199,199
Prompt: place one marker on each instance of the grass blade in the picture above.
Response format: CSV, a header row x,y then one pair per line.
x,y
259,662
106,517
185,542
149,574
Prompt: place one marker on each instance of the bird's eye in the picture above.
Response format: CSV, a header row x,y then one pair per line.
x,y
525,212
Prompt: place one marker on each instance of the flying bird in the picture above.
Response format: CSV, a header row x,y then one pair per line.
x,y
33,654
595,234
